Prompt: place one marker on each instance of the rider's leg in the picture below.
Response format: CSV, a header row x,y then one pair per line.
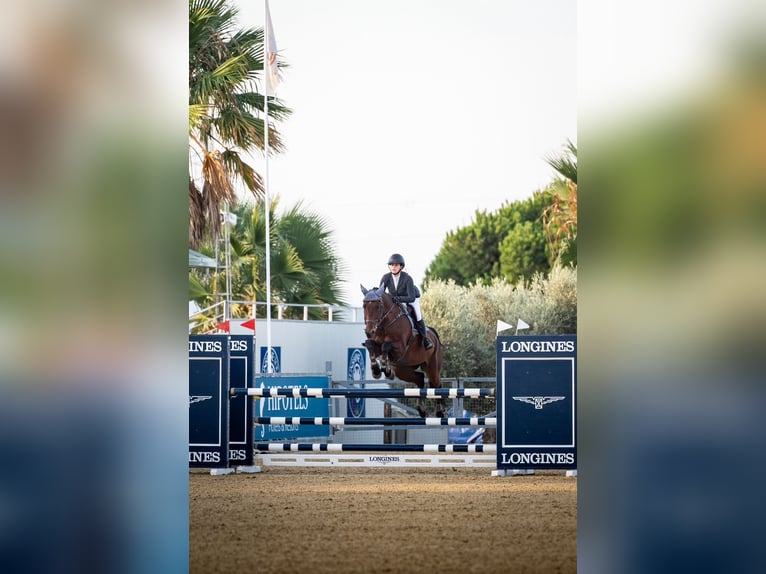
x,y
420,325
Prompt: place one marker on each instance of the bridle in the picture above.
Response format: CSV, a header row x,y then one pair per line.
x,y
377,325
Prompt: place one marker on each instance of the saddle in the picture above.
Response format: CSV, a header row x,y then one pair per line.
x,y
409,311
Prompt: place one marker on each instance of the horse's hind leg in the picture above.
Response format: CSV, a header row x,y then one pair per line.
x,y
420,382
434,381
410,375
421,406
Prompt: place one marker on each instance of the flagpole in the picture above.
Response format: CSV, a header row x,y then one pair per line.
x,y
266,71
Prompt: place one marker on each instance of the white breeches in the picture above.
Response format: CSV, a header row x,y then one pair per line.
x,y
416,305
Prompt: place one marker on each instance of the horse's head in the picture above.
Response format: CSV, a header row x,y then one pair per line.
x,y
374,309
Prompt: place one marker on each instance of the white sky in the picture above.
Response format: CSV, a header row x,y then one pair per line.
x,y
409,115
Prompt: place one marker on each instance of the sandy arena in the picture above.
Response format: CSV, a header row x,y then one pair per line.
x,y
388,520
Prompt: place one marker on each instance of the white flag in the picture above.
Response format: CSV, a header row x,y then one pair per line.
x,y
502,326
272,72
521,325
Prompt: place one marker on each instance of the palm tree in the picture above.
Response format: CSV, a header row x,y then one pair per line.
x,y
560,217
305,269
225,113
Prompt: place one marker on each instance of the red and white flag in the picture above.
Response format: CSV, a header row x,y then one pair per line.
x,y
272,72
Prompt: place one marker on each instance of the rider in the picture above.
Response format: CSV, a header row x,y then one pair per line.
x,y
403,290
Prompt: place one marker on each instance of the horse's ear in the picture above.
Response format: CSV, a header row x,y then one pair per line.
x,y
380,290
364,291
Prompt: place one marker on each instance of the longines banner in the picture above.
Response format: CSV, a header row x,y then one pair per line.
x,y
208,401
241,355
537,402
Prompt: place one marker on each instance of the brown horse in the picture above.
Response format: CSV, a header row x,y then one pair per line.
x,y
395,347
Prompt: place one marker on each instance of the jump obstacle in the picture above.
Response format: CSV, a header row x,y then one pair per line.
x,y
516,367
271,451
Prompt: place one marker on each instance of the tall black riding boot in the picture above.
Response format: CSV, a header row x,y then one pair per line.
x,y
427,344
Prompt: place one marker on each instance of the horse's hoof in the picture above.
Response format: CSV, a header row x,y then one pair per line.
x,y
389,374
376,374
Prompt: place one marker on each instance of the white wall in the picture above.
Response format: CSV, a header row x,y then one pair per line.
x,y
307,346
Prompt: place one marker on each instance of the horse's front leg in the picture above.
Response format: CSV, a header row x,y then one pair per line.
x,y
375,367
375,360
385,349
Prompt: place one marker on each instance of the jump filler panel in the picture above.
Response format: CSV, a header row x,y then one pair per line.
x,y
537,402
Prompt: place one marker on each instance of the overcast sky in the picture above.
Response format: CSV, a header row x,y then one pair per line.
x,y
409,115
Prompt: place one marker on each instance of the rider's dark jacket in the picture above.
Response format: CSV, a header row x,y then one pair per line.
x,y
405,292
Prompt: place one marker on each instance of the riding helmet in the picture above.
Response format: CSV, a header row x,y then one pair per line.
x,y
396,258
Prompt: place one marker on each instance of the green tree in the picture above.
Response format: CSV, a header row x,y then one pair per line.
x,y
482,251
523,252
305,268
225,113
468,254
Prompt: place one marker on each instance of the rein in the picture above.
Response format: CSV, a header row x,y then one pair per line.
x,y
378,326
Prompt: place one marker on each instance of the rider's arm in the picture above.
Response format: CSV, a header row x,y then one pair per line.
x,y
409,285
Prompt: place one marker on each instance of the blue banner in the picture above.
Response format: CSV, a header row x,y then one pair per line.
x,y
275,359
357,367
208,401
292,407
537,402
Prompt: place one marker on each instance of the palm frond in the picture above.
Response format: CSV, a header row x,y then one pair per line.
x,y
566,163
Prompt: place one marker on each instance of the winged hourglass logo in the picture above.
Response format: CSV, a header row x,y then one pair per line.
x,y
198,399
538,402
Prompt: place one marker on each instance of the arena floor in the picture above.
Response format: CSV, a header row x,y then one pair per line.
x,y
390,520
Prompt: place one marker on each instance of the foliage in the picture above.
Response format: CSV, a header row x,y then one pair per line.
x,y
225,113
466,317
305,268
560,217
509,243
523,252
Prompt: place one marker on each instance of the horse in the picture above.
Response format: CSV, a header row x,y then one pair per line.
x,y
396,349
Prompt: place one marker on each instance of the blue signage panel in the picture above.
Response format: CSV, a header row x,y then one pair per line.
x,y
241,355
292,407
208,401
357,367
537,402
275,358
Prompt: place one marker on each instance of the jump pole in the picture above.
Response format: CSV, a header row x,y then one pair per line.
x,y
322,393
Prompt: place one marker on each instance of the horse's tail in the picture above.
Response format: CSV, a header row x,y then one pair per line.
x,y
438,338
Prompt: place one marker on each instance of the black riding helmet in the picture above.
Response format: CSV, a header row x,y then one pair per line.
x,y
396,258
